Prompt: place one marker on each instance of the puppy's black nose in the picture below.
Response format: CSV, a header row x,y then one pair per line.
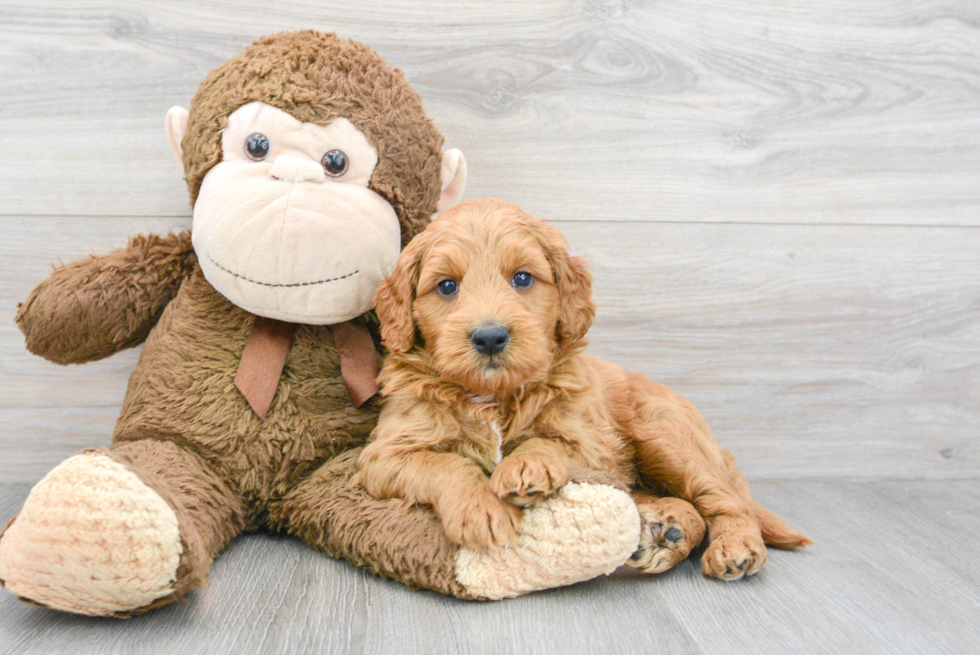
x,y
490,339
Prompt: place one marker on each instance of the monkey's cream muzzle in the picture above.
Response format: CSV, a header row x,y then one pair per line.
x,y
282,238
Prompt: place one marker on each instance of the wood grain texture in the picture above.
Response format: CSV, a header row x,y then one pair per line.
x,y
813,351
775,112
892,571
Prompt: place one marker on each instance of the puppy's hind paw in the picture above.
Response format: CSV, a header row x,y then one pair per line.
x,y
734,555
670,529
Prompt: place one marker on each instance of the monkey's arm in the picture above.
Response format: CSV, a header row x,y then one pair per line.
x,y
94,307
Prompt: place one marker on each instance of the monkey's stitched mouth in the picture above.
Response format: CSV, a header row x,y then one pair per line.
x,y
295,284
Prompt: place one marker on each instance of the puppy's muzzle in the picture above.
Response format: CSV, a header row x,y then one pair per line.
x,y
490,338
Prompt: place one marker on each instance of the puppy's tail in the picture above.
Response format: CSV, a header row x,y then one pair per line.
x,y
776,533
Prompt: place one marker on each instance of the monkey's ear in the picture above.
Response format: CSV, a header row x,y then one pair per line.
x,y
176,129
453,178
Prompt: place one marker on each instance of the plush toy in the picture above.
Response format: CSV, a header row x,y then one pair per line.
x,y
310,163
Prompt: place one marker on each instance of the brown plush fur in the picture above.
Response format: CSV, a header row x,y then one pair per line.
x,y
184,429
388,538
114,299
553,408
316,78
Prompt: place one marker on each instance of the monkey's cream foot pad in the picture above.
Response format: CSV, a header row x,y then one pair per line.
x,y
92,539
584,531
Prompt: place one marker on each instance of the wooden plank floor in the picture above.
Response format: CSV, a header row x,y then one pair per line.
x,y
893,570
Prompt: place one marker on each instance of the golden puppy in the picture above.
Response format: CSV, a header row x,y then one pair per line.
x,y
490,401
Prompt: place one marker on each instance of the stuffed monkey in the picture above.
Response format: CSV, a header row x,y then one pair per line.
x,y
310,162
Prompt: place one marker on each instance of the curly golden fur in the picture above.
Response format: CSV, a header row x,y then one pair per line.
x,y
479,435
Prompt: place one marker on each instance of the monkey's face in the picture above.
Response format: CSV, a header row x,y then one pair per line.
x,y
285,225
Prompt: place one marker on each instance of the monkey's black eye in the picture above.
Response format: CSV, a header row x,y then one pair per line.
x,y
257,146
447,288
522,280
335,163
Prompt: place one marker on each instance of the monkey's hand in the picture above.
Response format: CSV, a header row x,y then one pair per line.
x,y
94,307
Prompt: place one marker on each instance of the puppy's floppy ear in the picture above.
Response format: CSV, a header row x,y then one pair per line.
x,y
574,283
394,298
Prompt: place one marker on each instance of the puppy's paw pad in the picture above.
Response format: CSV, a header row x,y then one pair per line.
x,y
671,528
662,546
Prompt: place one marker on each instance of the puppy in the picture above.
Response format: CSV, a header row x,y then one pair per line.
x,y
490,401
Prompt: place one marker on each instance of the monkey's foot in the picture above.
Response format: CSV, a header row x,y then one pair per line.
x,y
92,539
672,527
583,531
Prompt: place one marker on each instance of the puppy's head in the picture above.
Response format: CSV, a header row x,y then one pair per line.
x,y
490,293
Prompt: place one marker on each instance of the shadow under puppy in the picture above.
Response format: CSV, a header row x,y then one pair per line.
x,y
490,401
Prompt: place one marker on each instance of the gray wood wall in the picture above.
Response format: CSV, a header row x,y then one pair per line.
x,y
781,200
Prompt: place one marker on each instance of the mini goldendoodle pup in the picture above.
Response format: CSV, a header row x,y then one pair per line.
x,y
490,401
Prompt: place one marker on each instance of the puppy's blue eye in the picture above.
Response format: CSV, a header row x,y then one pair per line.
x,y
522,280
447,288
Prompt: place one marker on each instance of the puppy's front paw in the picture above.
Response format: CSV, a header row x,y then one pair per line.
x,y
734,554
527,478
479,519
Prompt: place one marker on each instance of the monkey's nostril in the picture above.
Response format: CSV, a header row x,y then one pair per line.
x,y
490,339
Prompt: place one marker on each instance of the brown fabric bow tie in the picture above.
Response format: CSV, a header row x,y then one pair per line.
x,y
265,356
